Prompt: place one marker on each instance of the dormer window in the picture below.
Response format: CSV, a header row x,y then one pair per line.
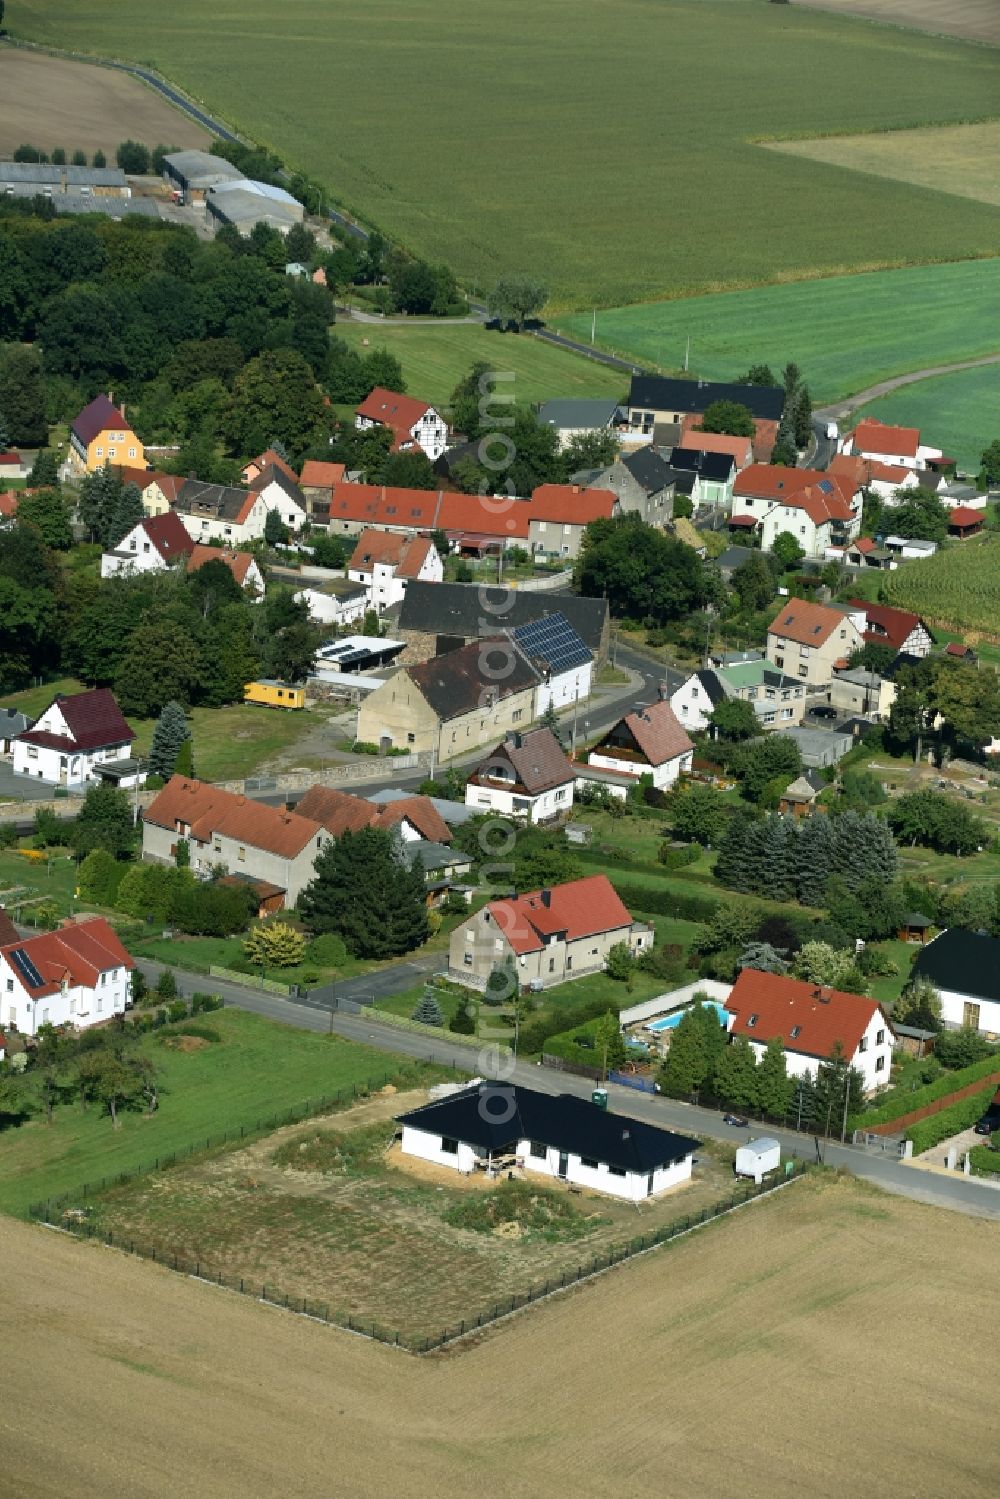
x,y
752,1021
795,1031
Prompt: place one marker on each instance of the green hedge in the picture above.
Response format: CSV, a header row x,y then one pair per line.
x,y
906,1103
664,902
982,1158
937,1127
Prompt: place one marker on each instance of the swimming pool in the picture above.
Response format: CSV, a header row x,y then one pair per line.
x,y
671,1022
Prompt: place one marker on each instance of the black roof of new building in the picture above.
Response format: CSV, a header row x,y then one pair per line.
x,y
715,466
656,393
966,962
713,687
473,612
497,1115
651,472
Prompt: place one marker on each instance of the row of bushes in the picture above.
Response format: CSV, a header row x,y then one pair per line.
x,y
985,1158
663,902
906,1103
962,1115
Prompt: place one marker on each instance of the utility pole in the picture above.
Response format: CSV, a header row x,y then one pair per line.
x,y
576,704
593,328
687,353
847,1098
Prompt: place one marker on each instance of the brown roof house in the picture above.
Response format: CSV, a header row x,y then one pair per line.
x,y
151,546
546,937
455,703
266,844
651,741
73,737
528,775
808,640
385,562
415,817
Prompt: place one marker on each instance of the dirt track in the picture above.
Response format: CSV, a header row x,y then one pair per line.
x,y
827,1342
973,20
50,101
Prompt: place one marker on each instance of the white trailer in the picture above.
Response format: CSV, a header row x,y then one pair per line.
x,y
757,1158
832,431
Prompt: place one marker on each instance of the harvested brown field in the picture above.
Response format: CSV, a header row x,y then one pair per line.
x,y
50,101
332,1213
973,20
825,1341
957,159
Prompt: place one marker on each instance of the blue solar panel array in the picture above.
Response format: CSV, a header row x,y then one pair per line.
x,y
553,640
26,968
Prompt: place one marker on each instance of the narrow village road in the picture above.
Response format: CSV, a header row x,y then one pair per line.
x,y
843,408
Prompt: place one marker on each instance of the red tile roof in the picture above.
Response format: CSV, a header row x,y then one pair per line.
x,y
657,732
9,500
482,515
168,536
93,718
270,459
746,521
318,475
10,459
413,509
79,953
581,908
871,436
571,505
805,622
887,626
401,413
144,478
208,809
822,1017
340,812
957,648
740,449
822,495
102,415
238,562
406,554
963,516
865,544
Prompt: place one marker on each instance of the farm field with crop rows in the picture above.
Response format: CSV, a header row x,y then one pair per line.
x,y
846,332
526,138
957,587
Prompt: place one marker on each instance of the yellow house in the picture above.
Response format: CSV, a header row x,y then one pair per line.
x,y
101,435
269,693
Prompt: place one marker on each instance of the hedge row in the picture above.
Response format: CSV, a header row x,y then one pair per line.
x,y
937,1127
907,1103
665,902
983,1158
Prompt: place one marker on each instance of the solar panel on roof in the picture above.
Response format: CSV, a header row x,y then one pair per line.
x,y
26,968
825,486
554,640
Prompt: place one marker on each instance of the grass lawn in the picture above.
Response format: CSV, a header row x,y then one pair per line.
x,y
259,1069
959,413
889,988
846,333
34,700
26,876
435,359
588,183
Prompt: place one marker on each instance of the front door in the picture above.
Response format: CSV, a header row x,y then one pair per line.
x,y
970,1015
563,1163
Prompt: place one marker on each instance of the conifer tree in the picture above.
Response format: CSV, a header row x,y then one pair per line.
x,y
774,878
813,858
365,890
428,1011
735,865
735,1078
774,1087
170,733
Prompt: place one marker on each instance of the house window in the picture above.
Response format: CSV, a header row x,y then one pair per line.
x,y
104,979
131,452
32,752
863,1044
588,1163
880,1064
468,960
45,1016
517,714
99,452
449,1147
879,1037
100,1004
241,854
411,738
751,1021
617,1171
796,1030
537,1150
803,671
552,965
10,986
779,660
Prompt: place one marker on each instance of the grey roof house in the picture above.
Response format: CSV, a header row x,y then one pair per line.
x,y
644,483
571,418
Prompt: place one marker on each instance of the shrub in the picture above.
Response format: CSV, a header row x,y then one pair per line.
x,y
501,986
677,858
327,951
166,985
205,1002
905,1103
666,902
177,1010
929,1132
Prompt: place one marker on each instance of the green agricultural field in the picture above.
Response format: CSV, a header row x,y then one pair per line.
x,y
959,587
434,359
959,413
607,149
257,1070
846,332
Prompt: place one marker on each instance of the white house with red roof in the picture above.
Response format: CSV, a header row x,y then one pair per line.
x,y
900,447
883,479
252,471
899,628
415,426
810,1020
385,562
78,975
231,516
242,565
651,741
819,509
11,466
527,775
156,543
73,737
547,936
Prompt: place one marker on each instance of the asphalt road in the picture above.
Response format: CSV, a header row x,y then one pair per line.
x,y
956,1192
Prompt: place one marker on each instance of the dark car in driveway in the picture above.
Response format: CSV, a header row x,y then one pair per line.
x,y
989,1124
823,710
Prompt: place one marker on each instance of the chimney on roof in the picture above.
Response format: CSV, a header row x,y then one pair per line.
x,y
546,896
240,801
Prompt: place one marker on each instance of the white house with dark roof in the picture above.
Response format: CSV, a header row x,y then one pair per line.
x,y
964,967
579,418
649,741
153,545
528,776
491,1126
73,737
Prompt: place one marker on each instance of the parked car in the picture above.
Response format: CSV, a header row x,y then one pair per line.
x,y
736,1121
823,710
989,1124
